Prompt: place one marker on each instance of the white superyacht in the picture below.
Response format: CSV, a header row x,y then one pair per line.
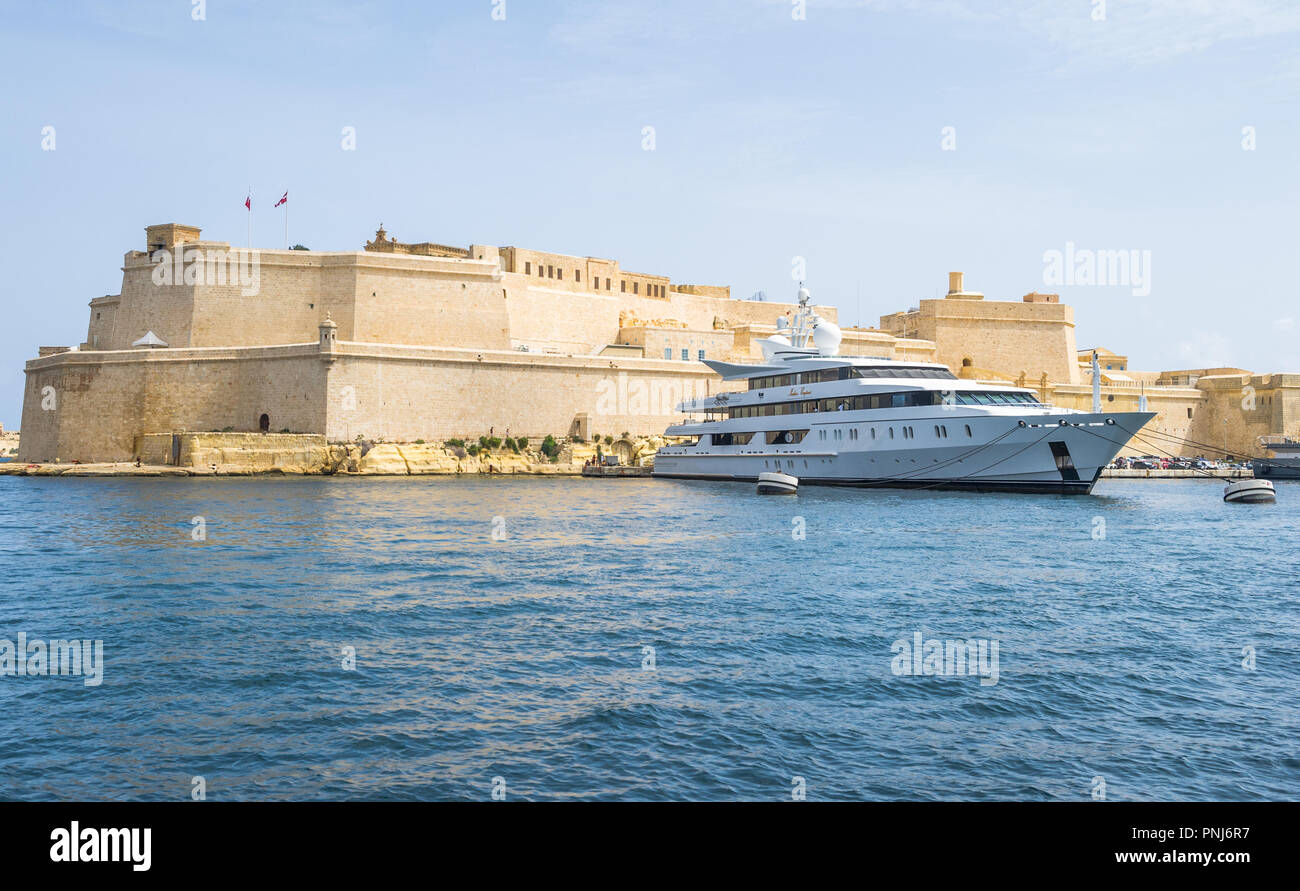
x,y
847,421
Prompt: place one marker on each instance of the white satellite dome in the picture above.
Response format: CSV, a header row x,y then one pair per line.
x,y
770,346
826,337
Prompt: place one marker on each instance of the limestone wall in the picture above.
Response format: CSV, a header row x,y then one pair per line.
x,y
93,406
404,394
1010,337
102,403
1241,408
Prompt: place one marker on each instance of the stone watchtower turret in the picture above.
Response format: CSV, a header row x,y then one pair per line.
x,y
329,331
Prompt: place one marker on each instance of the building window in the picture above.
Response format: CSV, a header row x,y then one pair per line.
x,y
528,268
635,287
559,273
702,359
686,355
550,271
540,271
1189,412
577,275
607,284
668,352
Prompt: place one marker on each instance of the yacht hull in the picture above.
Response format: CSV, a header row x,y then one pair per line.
x,y
1034,454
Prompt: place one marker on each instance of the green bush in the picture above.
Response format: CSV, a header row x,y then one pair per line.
x,y
419,442
512,445
550,448
609,440
473,450
493,442
456,443
522,442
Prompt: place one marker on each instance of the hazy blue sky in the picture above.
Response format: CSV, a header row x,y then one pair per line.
x,y
775,138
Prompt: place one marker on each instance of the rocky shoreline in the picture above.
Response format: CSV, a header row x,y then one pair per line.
x,y
304,455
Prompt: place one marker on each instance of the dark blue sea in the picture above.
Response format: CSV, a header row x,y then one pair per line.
x,y
641,639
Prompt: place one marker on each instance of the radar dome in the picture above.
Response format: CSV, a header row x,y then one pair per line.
x,y
826,337
770,345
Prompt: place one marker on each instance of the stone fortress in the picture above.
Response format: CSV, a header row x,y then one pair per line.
x,y
410,342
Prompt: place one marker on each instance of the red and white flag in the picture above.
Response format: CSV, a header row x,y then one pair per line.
x,y
283,200
248,202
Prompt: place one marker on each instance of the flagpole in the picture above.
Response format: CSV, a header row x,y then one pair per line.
x,y
250,217
286,222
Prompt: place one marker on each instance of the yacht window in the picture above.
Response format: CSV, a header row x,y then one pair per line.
x,y
968,433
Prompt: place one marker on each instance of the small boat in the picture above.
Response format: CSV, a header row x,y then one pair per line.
x,y
1250,492
777,484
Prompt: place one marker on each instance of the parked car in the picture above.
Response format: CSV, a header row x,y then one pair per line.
x,y
1142,464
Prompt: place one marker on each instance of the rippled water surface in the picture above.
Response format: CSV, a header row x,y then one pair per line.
x,y
1120,618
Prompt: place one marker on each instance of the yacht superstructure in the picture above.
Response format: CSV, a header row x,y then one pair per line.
x,y
852,421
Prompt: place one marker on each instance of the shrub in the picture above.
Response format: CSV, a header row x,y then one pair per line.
x,y
473,450
493,442
609,440
456,443
550,448
623,434
513,445
419,442
522,442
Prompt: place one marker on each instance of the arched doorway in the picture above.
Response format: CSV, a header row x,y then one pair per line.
x,y
264,423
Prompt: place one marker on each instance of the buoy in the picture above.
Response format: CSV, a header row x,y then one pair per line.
x,y
1250,492
777,484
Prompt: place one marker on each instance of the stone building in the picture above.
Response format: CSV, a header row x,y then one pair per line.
x,y
406,341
